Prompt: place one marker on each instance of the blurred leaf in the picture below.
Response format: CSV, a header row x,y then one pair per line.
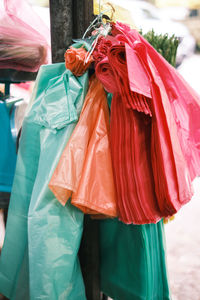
x,y
165,45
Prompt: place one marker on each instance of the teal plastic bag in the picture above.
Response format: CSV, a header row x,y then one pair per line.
x,y
133,265
7,150
39,257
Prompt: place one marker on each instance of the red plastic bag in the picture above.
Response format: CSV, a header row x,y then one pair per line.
x,y
84,171
130,143
24,38
151,173
184,101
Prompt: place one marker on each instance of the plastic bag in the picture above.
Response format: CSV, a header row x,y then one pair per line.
x,y
7,152
171,172
75,60
151,170
44,235
24,38
85,169
133,265
177,96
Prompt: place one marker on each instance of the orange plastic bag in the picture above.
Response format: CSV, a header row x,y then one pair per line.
x,y
84,171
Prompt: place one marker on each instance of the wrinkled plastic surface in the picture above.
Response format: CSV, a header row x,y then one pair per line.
x,y
175,146
151,174
39,257
85,169
7,151
133,263
166,83
130,144
75,60
24,38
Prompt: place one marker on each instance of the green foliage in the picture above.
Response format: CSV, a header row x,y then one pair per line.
x,y
165,45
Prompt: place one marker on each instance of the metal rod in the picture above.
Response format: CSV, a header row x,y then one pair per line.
x,y
61,15
7,89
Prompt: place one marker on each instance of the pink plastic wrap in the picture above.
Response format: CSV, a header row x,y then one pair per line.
x,y
24,38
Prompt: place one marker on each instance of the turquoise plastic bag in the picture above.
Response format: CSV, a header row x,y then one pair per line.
x,y
7,150
39,257
133,263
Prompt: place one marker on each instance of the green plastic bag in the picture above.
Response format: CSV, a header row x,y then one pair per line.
x,y
39,257
133,263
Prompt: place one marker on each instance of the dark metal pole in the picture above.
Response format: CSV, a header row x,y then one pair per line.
x,y
82,16
69,19
104,297
90,258
61,27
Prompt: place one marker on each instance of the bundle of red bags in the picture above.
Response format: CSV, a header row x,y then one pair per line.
x,y
154,128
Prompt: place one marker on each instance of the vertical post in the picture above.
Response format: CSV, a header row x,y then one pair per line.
x,y
7,89
70,19
82,16
89,258
61,27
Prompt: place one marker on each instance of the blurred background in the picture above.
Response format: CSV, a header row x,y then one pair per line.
x,y
175,17
182,19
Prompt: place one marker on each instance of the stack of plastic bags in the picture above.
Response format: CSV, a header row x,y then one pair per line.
x,y
137,166
154,150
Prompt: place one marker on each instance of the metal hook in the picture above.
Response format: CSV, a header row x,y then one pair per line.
x,y
99,19
101,32
102,29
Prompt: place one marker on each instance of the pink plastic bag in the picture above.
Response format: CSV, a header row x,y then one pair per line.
x,y
24,38
184,101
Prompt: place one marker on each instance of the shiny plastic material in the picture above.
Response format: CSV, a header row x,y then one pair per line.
x,y
130,144
85,169
75,60
7,150
133,263
24,38
39,257
165,83
149,155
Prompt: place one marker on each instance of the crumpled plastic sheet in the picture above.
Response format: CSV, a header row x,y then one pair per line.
x,y
39,258
85,168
